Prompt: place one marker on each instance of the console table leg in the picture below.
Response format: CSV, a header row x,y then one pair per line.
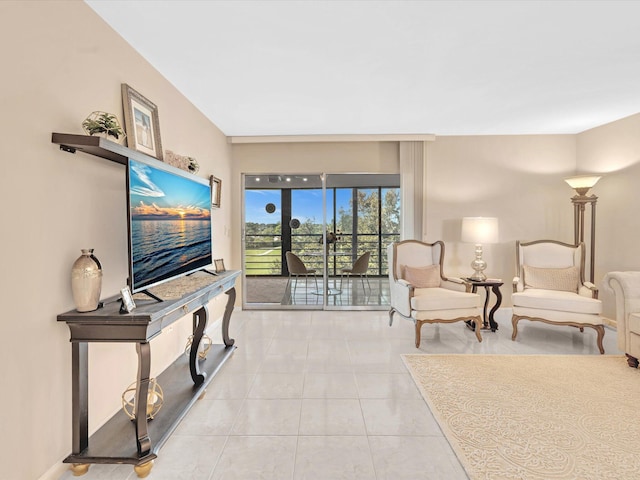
x,y
200,320
492,322
231,301
80,396
142,392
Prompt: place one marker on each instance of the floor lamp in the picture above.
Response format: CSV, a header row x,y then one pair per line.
x,y
581,185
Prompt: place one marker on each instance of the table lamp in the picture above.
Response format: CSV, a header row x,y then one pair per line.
x,y
479,230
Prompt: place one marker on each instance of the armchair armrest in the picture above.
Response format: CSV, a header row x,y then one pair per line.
x,y
401,292
455,283
588,289
515,283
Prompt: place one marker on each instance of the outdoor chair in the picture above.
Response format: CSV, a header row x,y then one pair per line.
x,y
297,268
360,268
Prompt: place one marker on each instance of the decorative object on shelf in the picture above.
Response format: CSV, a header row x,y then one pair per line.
x,y
104,124
127,304
294,223
219,263
142,123
216,191
183,162
205,346
581,184
86,281
479,230
155,400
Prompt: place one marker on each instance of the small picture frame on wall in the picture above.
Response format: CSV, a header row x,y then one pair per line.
x,y
141,122
216,191
219,264
128,304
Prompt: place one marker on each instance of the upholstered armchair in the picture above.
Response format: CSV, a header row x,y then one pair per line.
x,y
550,288
421,293
626,287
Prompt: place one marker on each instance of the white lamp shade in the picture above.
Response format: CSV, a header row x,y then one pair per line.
x,y
480,230
583,181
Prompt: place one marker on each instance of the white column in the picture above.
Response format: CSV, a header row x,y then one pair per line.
x,y
412,194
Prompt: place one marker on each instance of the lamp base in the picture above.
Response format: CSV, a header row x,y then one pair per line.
x,y
478,277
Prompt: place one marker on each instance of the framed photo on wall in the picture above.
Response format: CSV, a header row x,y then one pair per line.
x,y
141,122
216,191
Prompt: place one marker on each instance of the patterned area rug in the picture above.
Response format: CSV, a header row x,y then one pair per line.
x,y
535,417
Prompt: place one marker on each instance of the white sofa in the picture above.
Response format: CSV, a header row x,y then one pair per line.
x,y
626,287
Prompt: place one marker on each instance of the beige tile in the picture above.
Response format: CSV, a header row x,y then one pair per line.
x,y
187,457
329,385
227,384
268,417
277,385
210,417
331,417
251,458
386,385
411,458
333,458
398,416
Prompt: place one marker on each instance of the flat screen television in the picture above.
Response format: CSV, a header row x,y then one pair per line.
x,y
169,223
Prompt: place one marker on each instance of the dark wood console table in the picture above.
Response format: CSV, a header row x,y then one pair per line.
x,y
136,442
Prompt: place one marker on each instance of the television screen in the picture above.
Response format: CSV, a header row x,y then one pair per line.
x,y
169,223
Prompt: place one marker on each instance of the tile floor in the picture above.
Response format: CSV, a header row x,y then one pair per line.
x,y
324,395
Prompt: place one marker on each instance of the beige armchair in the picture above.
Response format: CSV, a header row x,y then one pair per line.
x,y
550,288
421,293
626,287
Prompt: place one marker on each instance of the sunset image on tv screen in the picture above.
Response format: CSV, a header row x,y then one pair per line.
x,y
170,224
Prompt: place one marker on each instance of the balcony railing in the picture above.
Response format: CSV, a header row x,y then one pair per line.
x,y
264,253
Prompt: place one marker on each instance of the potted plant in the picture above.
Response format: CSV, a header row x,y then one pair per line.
x,y
103,123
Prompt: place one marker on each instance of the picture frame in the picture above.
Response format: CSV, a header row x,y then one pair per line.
x,y
127,301
141,123
216,191
219,263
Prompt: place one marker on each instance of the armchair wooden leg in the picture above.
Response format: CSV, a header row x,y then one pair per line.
x,y
391,312
478,323
632,361
600,330
418,329
514,322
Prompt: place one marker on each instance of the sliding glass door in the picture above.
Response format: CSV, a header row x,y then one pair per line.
x,y
318,241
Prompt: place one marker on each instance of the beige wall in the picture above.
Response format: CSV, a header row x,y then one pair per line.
x,y
613,150
60,63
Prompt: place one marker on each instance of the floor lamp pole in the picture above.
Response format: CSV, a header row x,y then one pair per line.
x,y
579,205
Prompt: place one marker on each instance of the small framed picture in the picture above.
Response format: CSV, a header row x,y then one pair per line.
x,y
127,301
141,122
216,191
219,263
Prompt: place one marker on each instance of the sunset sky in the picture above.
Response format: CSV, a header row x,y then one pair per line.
x,y
159,195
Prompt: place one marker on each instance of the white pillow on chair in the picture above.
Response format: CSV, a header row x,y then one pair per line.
x,y
422,277
565,279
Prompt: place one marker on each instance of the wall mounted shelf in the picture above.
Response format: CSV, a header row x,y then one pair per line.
x,y
97,146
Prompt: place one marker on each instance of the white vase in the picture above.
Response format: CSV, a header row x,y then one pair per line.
x,y
86,281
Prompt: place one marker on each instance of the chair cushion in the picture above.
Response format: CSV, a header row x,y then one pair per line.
x,y
443,299
565,279
556,300
422,277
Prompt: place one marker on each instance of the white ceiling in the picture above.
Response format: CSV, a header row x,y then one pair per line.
x,y
392,67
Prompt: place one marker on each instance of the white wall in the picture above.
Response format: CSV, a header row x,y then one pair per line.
x,y
60,63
